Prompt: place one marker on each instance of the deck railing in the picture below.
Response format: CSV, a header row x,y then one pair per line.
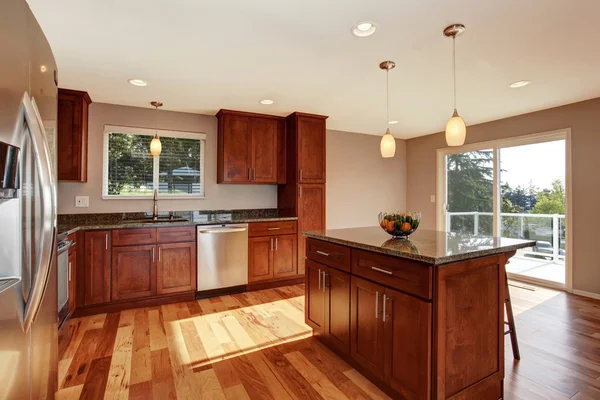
x,y
551,232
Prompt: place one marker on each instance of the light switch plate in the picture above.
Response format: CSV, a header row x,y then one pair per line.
x,y
432,198
82,201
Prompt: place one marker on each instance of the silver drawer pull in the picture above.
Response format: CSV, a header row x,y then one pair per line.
x,y
322,253
385,271
273,229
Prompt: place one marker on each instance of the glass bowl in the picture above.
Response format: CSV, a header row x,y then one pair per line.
x,y
399,224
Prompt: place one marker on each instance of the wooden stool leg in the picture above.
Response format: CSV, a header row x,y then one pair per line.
x,y
512,330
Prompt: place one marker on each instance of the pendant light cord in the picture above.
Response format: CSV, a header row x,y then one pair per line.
x,y
454,66
387,93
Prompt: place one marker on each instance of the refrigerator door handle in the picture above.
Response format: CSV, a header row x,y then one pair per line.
x,y
41,151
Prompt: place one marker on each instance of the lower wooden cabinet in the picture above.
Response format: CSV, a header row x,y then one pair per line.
x,y
176,268
133,272
328,304
96,271
272,257
387,329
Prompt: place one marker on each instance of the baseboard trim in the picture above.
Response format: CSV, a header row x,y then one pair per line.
x,y
129,304
583,293
274,284
220,292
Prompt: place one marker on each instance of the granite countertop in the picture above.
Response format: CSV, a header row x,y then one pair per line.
x,y
68,224
429,246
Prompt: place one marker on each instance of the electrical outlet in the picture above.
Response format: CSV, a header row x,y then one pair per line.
x,y
432,198
82,201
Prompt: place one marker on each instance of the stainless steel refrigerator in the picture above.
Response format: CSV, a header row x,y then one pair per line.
x,y
28,279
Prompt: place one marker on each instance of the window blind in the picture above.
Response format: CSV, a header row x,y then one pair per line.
x,y
130,171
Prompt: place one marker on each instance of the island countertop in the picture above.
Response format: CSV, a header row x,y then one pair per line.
x,y
428,246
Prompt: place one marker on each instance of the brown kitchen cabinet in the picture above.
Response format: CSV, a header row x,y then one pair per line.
x,y
96,271
310,137
133,272
311,215
176,268
249,148
272,257
328,304
72,135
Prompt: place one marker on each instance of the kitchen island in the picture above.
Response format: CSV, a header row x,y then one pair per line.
x,y
422,318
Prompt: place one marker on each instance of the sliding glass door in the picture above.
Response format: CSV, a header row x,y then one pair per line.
x,y
513,188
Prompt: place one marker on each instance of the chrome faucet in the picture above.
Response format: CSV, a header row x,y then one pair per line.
x,y
155,210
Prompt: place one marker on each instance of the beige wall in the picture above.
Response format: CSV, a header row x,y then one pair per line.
x,y
360,183
584,120
217,196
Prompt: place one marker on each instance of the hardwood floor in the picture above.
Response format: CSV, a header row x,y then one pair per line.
x,y
256,345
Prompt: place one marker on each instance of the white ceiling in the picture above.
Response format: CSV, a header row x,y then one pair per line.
x,y
202,55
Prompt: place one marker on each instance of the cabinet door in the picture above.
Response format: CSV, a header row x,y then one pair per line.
x,y
285,256
260,256
366,328
71,271
263,150
234,147
314,311
311,150
133,272
407,329
72,134
96,271
337,309
176,269
311,216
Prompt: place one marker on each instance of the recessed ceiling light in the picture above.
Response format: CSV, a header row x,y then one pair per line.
x,y
519,84
43,68
392,122
266,102
138,82
364,29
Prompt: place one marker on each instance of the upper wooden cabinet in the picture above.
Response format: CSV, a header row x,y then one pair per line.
x,y
250,148
306,147
72,135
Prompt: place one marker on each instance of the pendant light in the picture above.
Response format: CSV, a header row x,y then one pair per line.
x,y
388,143
155,145
456,130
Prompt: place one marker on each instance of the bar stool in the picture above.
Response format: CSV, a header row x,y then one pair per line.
x,y
512,330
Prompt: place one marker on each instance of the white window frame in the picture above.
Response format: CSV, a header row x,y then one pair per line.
x,y
151,132
495,146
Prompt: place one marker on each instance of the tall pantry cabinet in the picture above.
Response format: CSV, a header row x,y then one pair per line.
x,y
303,194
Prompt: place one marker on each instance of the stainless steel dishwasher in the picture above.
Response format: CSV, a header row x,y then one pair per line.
x,y
222,256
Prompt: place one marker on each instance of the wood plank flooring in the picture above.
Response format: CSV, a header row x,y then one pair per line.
x,y
256,346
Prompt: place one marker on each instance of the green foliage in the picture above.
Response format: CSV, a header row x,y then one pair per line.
x,y
551,201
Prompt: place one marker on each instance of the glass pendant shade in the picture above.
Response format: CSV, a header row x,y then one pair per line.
x,y
456,130
155,146
387,145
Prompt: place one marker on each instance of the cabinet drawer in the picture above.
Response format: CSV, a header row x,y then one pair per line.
x,y
405,275
128,237
327,253
176,234
272,228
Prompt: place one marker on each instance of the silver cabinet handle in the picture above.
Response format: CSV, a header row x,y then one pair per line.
x,y
322,253
249,174
300,191
271,244
385,299
253,174
159,251
300,175
324,285
153,254
106,241
276,244
385,271
319,279
376,305
273,229
69,271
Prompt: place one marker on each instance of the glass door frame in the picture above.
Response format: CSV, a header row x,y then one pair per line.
x,y
495,146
